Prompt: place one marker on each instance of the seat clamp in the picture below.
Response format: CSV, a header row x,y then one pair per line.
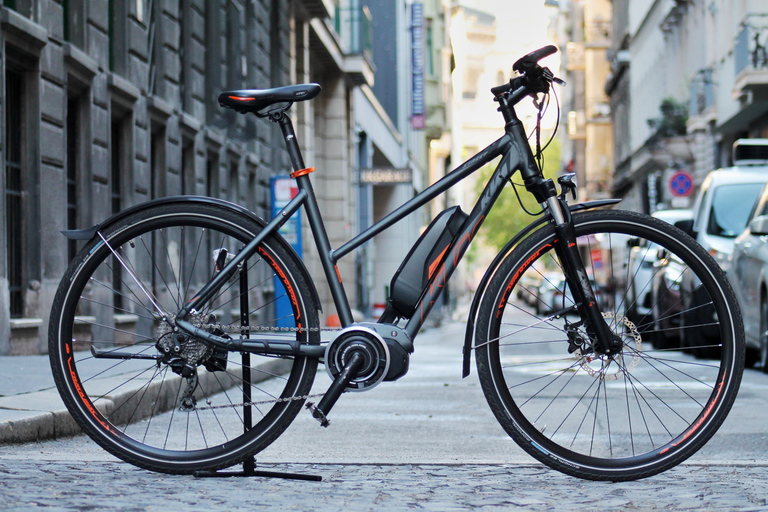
x,y
302,172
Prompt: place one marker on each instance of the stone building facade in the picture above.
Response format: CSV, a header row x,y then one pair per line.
x,y
108,104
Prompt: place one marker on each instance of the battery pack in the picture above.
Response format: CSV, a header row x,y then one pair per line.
x,y
410,280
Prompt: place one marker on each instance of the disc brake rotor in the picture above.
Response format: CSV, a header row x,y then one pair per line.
x,y
613,367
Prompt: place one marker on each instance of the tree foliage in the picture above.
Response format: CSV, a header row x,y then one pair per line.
x,y
507,217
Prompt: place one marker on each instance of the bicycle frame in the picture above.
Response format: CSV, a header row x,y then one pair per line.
x,y
516,154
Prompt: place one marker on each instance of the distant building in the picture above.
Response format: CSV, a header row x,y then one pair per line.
x,y
706,61
396,120
588,149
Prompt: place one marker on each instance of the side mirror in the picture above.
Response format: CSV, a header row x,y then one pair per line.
x,y
759,225
687,226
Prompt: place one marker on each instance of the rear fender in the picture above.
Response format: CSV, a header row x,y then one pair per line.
x,y
88,234
469,336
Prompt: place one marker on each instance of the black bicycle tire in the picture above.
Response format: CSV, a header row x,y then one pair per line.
x,y
563,459
96,425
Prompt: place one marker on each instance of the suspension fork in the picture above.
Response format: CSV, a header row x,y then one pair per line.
x,y
606,342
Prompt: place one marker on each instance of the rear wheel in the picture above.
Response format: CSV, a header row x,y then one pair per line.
x,y
624,417
157,398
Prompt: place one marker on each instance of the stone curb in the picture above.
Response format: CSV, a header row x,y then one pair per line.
x,y
38,420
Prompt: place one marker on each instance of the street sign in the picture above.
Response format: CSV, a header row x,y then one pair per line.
x,y
283,190
681,184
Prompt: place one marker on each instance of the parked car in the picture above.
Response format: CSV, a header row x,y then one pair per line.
x,y
720,214
749,277
551,285
643,263
667,301
528,288
554,294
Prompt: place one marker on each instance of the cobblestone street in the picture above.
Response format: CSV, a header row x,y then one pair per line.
x,y
68,485
427,442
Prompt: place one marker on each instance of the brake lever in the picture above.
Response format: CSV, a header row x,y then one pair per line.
x,y
550,77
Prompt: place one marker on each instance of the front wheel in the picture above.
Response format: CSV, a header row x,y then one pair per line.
x,y
152,395
599,417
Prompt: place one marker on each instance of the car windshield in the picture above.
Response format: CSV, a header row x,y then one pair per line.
x,y
731,206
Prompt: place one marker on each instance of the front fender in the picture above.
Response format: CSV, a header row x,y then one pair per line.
x,y
469,336
89,233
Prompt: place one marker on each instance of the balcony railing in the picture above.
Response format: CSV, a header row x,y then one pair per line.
x,y
354,26
750,51
750,57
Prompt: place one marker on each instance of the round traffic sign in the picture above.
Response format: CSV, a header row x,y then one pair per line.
x,y
681,184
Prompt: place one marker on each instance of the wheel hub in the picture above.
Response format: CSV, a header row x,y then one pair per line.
x,y
614,366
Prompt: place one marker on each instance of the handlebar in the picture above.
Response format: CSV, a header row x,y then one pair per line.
x,y
531,61
534,79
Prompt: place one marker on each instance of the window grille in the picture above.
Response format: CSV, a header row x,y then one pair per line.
x,y
72,145
13,187
115,195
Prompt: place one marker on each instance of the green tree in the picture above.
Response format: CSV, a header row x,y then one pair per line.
x,y
507,218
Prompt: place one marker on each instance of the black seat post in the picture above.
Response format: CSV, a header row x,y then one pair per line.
x,y
291,144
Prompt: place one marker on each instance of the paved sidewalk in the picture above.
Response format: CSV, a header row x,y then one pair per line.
x,y
31,409
30,406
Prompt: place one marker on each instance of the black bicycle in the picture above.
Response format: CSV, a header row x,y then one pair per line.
x,y
169,352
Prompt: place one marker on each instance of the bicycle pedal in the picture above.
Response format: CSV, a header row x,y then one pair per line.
x,y
318,414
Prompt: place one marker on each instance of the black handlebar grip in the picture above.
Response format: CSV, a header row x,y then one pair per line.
x,y
501,89
529,61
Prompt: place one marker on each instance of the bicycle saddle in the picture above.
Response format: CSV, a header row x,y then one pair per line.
x,y
255,100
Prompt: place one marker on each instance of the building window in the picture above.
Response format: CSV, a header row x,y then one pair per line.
x,y
157,162
212,175
188,181
116,204
234,178
74,12
429,55
251,201
13,197
72,163
140,10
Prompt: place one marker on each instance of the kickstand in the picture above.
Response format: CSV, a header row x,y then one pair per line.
x,y
249,469
249,464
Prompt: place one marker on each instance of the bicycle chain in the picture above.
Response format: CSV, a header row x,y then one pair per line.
x,y
263,402
233,329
